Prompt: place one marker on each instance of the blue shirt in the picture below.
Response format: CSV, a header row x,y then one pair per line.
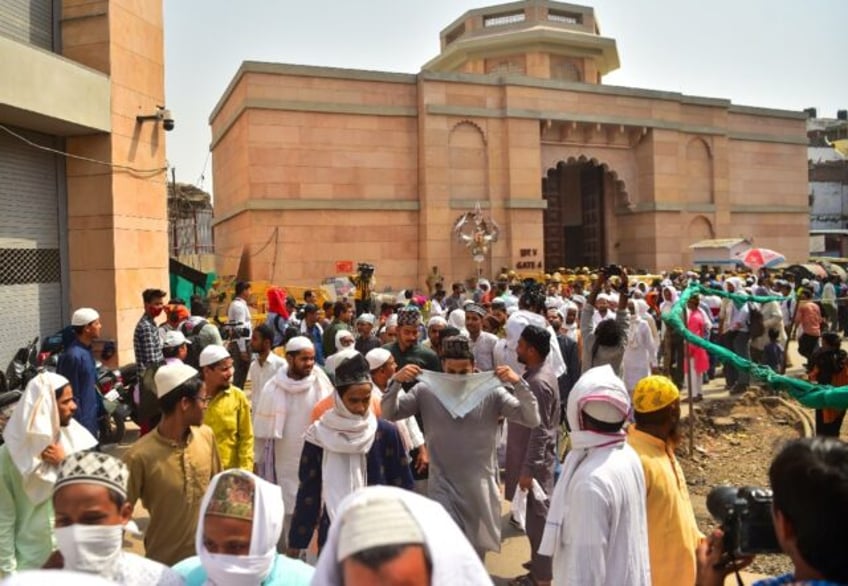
x,y
77,365
285,572
315,335
789,579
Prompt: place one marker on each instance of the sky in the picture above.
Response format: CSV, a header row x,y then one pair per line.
x,y
769,53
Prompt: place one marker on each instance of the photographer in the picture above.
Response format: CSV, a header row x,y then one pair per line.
x,y
809,479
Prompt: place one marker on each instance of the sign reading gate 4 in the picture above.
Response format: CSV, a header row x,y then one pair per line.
x,y
344,266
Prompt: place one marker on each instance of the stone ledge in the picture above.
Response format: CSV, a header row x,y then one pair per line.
x,y
337,204
311,106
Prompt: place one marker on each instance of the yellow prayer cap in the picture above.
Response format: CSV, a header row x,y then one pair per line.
x,y
654,392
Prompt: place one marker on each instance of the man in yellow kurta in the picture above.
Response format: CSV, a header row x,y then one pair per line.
x,y
228,413
673,533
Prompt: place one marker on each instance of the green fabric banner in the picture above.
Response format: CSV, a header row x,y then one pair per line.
x,y
808,394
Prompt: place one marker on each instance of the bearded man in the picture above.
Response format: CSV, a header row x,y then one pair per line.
x,y
460,410
283,412
673,533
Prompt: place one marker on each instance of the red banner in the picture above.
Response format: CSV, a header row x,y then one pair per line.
x,y
344,266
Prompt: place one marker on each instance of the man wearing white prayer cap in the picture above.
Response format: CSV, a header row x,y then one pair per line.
x,y
282,414
91,510
388,535
170,467
366,340
383,368
76,363
228,411
596,529
40,432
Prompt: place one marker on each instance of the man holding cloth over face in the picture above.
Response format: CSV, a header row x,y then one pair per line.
x,y
460,410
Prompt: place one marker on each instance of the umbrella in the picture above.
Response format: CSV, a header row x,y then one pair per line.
x,y
760,258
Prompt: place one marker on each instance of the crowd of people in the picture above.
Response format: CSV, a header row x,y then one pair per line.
x,y
390,439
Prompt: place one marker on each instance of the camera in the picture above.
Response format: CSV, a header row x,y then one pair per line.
x,y
167,119
745,516
365,270
611,271
234,331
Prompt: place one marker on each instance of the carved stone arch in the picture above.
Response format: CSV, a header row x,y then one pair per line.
x,y
468,183
703,142
622,198
698,171
700,228
468,123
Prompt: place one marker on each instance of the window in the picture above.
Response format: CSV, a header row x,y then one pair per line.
x,y
504,18
565,17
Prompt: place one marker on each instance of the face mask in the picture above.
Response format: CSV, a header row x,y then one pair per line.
x,y
236,570
90,548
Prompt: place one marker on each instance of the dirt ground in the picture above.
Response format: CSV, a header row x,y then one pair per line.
x,y
735,441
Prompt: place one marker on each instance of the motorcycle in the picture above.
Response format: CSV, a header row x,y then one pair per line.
x,y
21,369
115,395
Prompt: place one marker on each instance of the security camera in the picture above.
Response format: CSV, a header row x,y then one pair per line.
x,y
162,114
167,119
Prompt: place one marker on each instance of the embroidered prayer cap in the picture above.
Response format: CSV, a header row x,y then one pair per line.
x,y
174,339
377,358
84,316
90,467
377,523
212,354
457,347
475,308
367,318
299,343
408,316
233,496
498,304
170,376
653,393
353,371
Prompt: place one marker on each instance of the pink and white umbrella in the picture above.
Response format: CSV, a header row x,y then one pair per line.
x,y
760,258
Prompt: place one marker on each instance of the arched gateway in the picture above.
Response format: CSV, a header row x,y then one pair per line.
x,y
578,193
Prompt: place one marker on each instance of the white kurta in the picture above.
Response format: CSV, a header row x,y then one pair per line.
x,y
293,420
640,354
605,537
259,375
483,349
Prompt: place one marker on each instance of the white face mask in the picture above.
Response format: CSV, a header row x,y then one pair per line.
x,y
90,548
236,570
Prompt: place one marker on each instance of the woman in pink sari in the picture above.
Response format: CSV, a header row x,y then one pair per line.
x,y
697,359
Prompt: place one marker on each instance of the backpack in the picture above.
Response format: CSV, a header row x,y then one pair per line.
x,y
756,326
195,347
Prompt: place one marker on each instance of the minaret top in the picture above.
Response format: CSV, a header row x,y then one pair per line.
x,y
536,38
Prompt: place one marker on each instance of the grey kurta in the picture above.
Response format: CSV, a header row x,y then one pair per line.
x,y
532,452
463,458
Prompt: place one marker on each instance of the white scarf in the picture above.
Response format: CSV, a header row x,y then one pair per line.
x,y
454,561
269,417
253,568
596,384
34,425
515,324
460,393
346,439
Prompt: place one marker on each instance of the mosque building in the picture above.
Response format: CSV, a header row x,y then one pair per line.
x,y
317,167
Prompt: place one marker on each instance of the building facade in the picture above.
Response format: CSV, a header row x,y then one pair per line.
x,y
82,183
511,115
